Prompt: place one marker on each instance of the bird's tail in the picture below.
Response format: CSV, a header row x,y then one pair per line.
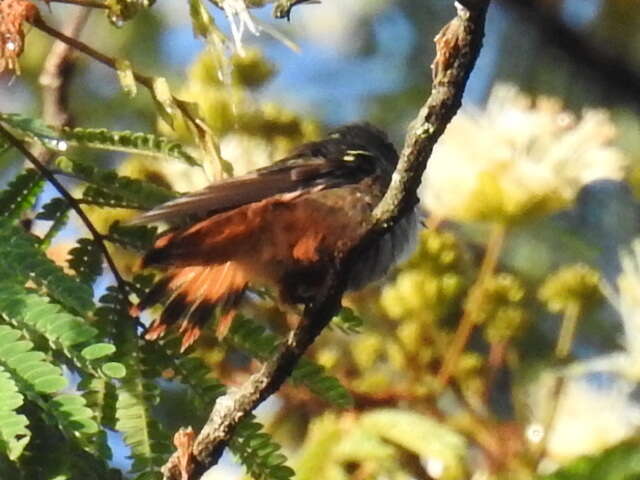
x,y
191,295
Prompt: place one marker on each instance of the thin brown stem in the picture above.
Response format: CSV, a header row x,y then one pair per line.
x,y
83,3
60,188
474,302
56,75
202,131
567,330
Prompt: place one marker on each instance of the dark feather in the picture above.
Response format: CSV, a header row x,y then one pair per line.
x,y
341,159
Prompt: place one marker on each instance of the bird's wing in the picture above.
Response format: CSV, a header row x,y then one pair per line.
x,y
296,173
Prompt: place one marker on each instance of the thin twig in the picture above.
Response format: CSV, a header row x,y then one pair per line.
x,y
73,203
474,303
563,349
144,80
56,75
458,46
83,3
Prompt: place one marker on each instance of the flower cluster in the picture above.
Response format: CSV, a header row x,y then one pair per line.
x,y
518,159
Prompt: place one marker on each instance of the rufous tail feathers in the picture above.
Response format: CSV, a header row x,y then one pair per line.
x,y
192,294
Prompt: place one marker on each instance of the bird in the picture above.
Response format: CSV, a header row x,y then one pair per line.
x,y
283,226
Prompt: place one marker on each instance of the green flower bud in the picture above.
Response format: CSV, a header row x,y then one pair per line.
x,y
569,286
502,291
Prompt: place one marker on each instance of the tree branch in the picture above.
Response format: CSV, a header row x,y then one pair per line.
x,y
458,46
607,66
56,73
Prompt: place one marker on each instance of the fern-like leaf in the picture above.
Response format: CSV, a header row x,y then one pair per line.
x,y
55,211
85,259
64,332
258,452
38,379
138,237
125,141
21,194
107,188
149,443
101,397
33,128
97,138
29,366
251,337
75,418
316,379
22,261
247,335
14,434
347,321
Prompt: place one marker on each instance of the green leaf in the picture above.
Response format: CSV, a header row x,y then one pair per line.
x,y
28,365
419,434
100,395
325,386
98,350
31,311
621,462
32,127
14,434
22,261
348,321
109,189
130,142
21,194
137,394
53,209
76,416
258,452
203,22
85,259
164,100
137,237
247,335
251,337
126,77
64,333
56,211
114,369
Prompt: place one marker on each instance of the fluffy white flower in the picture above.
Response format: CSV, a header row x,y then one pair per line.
x,y
518,158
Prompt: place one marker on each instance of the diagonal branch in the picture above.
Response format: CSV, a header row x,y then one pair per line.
x,y
458,46
603,63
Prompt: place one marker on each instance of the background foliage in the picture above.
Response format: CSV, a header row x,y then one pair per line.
x,y
506,347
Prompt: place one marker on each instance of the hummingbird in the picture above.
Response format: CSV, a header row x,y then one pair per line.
x,y
283,226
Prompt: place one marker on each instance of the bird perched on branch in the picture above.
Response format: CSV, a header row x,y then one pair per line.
x,y
283,226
